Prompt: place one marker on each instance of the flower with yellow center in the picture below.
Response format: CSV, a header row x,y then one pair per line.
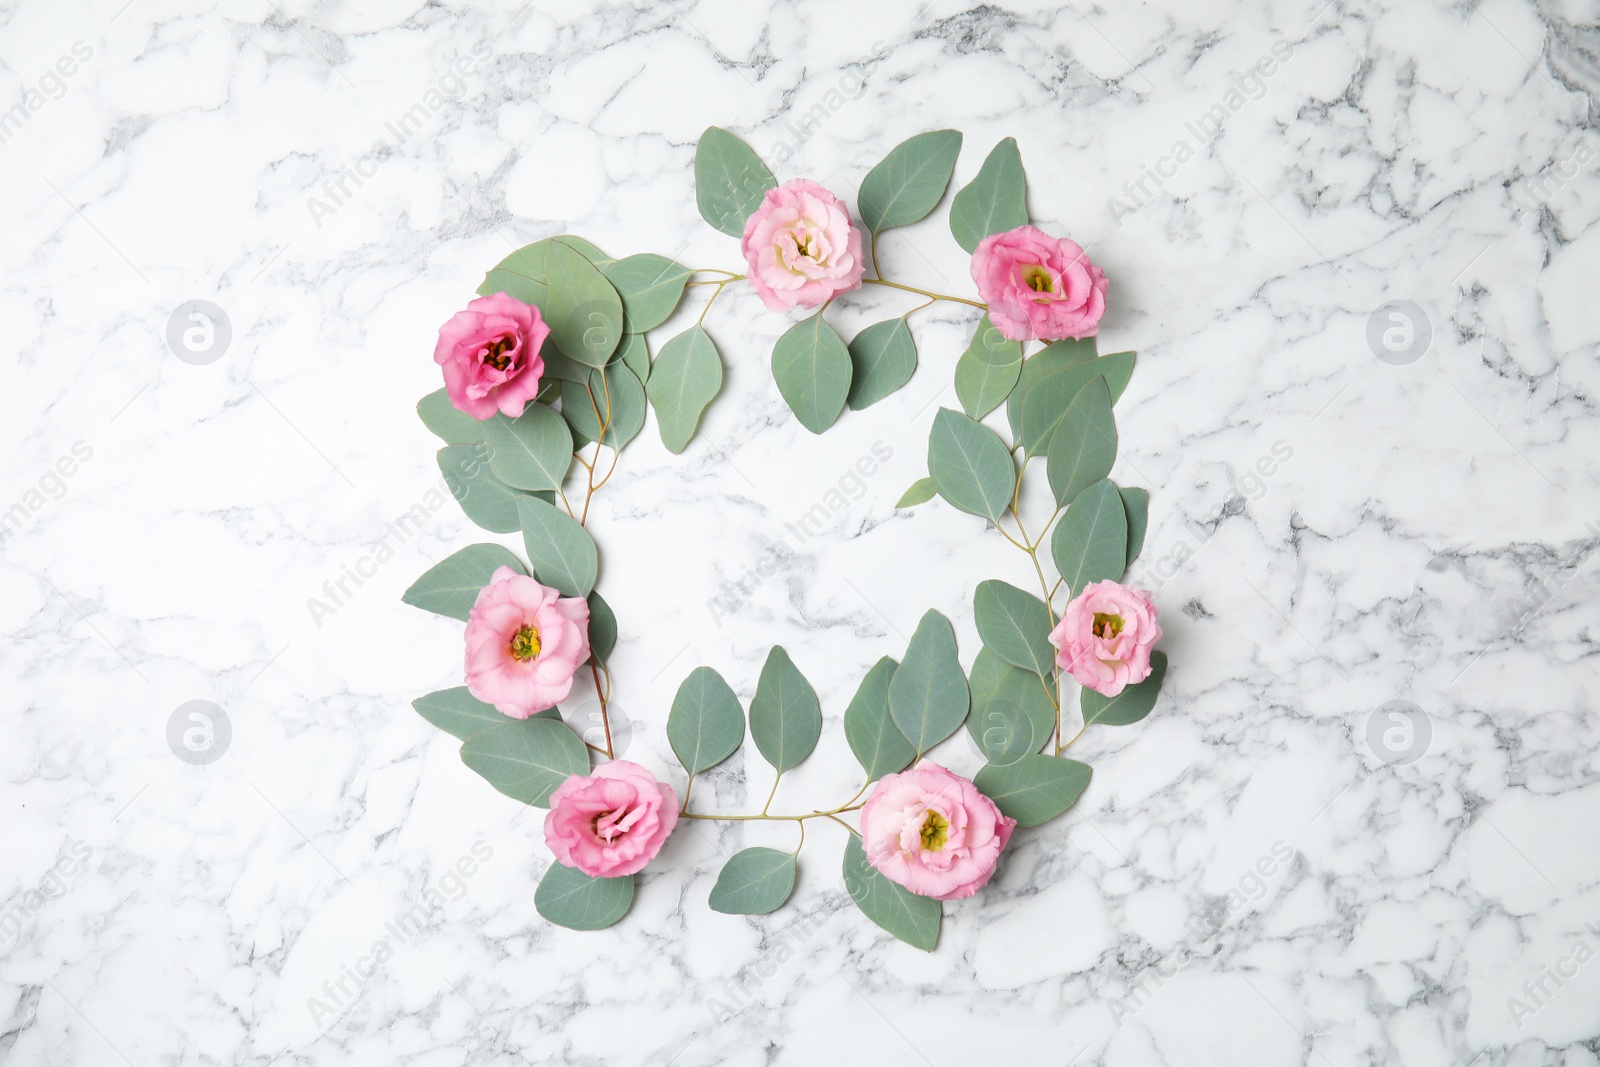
x,y
525,643
1107,625
935,831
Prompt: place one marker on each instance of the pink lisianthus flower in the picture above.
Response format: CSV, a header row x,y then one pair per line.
x,y
1038,287
1105,636
933,832
525,641
490,356
801,247
612,822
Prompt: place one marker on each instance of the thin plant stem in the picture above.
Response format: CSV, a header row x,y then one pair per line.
x,y
773,793
763,816
925,292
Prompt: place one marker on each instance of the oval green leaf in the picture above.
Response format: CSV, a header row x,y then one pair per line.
x,y
970,466
706,723
1136,504
912,919
634,352
602,629
532,451
1130,705
995,201
921,492
1016,625
1011,710
1035,788
684,378
1039,402
883,357
650,287
910,181
447,421
612,398
570,898
729,180
526,759
561,551
878,744
521,274
583,310
451,586
812,367
1090,543
928,695
754,881
981,387
1084,448
485,499
785,716
458,713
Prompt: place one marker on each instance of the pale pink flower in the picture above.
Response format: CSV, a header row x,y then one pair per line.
x,y
524,643
933,832
490,356
612,822
801,247
1105,636
1038,287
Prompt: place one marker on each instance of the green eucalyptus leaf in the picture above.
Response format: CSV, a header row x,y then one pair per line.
x,y
458,713
602,628
1084,448
634,353
812,367
1048,385
1035,788
921,492
447,421
650,287
1011,710
995,201
1016,625
878,744
1130,705
882,359
568,897
522,274
1136,503
785,716
729,180
910,181
981,387
526,759
970,466
561,551
583,310
912,919
684,378
613,397
928,695
706,723
1090,543
451,586
485,499
531,451
584,249
754,881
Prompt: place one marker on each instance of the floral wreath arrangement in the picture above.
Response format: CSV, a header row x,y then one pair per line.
x,y
550,368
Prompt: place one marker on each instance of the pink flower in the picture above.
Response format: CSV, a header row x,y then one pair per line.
x,y
490,355
1038,287
801,247
612,822
1105,636
524,643
933,832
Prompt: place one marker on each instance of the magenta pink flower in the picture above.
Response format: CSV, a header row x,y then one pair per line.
x,y
1038,287
933,832
1105,636
525,641
801,247
490,355
612,822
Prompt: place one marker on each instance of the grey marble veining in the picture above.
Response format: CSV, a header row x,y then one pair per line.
x,y
1253,877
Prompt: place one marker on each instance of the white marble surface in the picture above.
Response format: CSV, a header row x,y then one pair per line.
x,y
1427,539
